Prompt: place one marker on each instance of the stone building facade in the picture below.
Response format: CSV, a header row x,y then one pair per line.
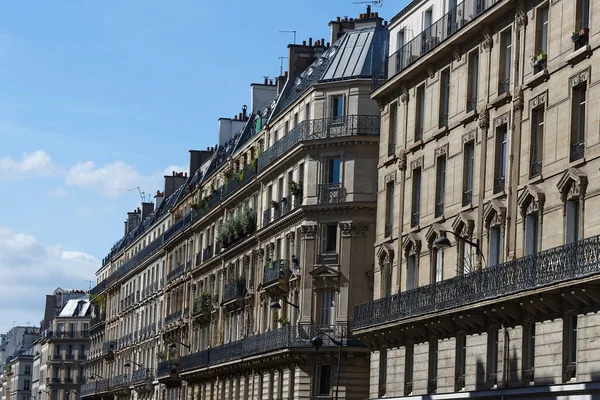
x,y
486,268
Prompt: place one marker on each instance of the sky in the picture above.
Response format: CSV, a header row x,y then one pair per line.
x,y
101,97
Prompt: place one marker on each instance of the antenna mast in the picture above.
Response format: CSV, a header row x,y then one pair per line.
x,y
294,32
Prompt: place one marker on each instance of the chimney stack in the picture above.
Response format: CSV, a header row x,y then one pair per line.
x,y
158,199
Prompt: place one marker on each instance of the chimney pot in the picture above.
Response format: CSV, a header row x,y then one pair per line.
x,y
351,19
322,42
271,82
266,79
304,43
338,19
173,173
285,74
310,41
376,14
328,44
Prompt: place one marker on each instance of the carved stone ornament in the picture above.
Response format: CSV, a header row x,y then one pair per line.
x,y
418,163
463,225
494,214
572,185
270,247
441,151
356,228
246,260
291,236
501,120
308,231
381,105
412,244
484,119
456,53
430,72
469,136
518,101
346,228
403,98
538,100
401,163
488,42
391,177
580,77
385,255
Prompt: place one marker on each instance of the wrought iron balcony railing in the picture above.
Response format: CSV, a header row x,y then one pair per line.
x,y
499,182
275,270
287,337
234,289
266,217
176,273
415,219
330,193
455,20
504,86
207,253
119,381
165,369
560,264
323,128
328,258
109,346
472,104
577,151
387,230
172,317
141,376
467,197
439,209
535,168
443,120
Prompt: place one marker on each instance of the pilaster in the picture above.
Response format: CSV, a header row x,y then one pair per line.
x,y
307,234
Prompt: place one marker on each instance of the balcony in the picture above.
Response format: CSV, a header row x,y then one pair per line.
x,y
467,197
202,304
387,230
266,217
176,273
287,338
172,317
94,388
439,209
577,151
98,319
499,182
141,376
415,219
557,265
504,87
328,259
234,289
166,372
207,253
330,193
324,128
451,23
119,382
274,271
108,349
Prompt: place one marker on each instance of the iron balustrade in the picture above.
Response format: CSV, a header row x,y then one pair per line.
x,y
102,385
141,376
288,337
441,30
172,317
176,273
577,151
207,253
275,270
504,86
559,264
284,206
439,209
202,303
108,347
471,104
323,128
443,120
164,369
499,182
198,258
119,381
391,149
328,258
535,168
266,217
415,218
467,197
388,230
234,289
330,193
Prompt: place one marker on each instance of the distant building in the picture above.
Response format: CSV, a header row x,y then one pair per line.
x,y
16,362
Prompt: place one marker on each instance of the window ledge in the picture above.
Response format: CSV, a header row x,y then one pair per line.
x,y
391,159
416,146
579,55
441,132
577,163
439,219
536,179
536,79
470,116
501,100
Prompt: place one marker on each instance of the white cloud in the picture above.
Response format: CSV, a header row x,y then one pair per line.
x,y
30,165
59,193
29,270
111,179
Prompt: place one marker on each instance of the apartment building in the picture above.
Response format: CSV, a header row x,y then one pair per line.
x,y
487,267
127,302
17,376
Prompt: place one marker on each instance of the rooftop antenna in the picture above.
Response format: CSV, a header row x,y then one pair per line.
x,y
142,194
373,2
294,32
281,66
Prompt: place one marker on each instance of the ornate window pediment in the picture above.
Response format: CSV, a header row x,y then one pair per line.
x,y
572,184
434,232
325,277
385,255
463,225
531,200
412,244
494,213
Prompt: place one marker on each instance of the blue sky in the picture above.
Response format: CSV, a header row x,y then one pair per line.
x,y
98,97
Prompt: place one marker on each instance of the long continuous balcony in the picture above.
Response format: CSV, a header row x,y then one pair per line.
x,y
141,376
119,381
96,387
275,270
424,42
553,266
176,273
289,337
108,347
323,128
166,371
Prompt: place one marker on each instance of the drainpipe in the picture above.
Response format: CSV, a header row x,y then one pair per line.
x,y
402,166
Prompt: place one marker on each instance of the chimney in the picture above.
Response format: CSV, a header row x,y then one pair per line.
x,y
197,158
172,183
260,96
147,209
133,220
158,199
370,20
280,83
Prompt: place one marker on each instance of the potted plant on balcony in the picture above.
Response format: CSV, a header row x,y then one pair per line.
x,y
584,31
224,233
239,176
161,355
238,225
274,204
283,321
248,220
575,36
295,188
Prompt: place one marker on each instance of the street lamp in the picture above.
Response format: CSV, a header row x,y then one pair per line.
x,y
276,306
94,377
173,346
443,242
317,342
128,364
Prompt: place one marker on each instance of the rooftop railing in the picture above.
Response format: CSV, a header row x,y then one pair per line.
x,y
455,20
552,266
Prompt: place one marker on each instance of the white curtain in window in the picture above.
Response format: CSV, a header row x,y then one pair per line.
x,y
327,306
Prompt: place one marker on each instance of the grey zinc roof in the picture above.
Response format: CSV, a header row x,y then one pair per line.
x,y
75,308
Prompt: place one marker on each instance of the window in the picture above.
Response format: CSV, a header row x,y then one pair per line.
x,y
329,238
287,127
537,141
411,272
578,123
473,81
572,339
531,234
399,54
427,18
495,239
322,380
500,174
416,197
542,30
433,366
444,97
420,116
382,372
529,352
505,61
327,307
464,254
332,170
295,120
26,384
572,223
469,169
393,129
582,22
409,368
337,107
389,209
492,357
307,112
461,361
440,190
437,264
